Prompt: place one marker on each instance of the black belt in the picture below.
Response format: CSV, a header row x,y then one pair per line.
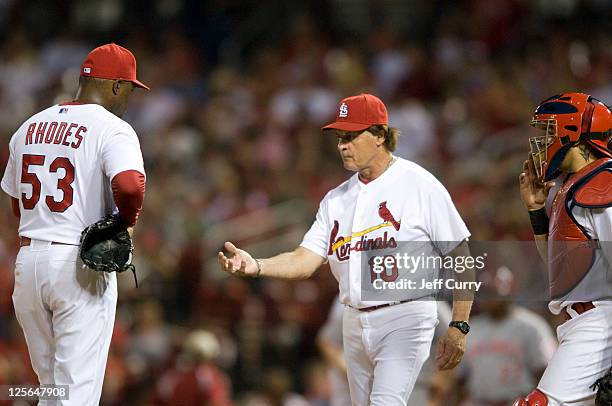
x,y
372,308
25,242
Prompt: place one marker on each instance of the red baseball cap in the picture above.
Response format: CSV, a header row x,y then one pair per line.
x,y
113,62
357,113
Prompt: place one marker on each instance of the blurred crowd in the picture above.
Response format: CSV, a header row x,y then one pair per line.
x,y
231,127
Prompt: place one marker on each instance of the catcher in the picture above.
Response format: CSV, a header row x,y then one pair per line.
x,y
69,166
575,243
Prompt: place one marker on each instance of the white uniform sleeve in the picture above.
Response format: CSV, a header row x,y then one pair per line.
x,y
602,223
9,179
598,224
442,220
316,238
121,152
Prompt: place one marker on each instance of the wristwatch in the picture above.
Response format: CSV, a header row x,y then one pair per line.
x,y
462,326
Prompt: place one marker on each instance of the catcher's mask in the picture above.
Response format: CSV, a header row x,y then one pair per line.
x,y
568,119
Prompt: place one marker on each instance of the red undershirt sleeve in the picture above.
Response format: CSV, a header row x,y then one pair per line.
x,y
128,192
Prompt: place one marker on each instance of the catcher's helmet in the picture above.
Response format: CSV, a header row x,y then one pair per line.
x,y
567,120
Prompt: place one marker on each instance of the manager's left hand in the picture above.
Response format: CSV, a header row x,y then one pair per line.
x,y
451,347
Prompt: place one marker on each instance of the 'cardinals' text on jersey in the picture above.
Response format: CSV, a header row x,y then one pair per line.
x,y
406,203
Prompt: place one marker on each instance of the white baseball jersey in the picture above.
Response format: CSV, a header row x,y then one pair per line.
x,y
404,204
584,353
60,167
597,284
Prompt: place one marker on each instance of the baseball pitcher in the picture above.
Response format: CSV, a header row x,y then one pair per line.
x,y
69,166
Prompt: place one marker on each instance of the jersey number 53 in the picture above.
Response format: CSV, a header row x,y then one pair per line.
x,y
64,184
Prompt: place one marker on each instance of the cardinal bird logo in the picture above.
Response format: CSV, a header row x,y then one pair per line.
x,y
386,215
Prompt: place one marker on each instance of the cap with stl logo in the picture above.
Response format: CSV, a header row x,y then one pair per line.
x,y
357,113
113,62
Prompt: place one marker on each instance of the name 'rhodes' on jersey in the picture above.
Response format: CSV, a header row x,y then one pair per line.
x,y
60,167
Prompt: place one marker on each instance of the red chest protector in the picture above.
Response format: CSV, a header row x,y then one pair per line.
x,y
570,247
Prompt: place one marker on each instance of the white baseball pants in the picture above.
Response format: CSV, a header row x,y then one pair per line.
x,y
67,315
385,350
584,354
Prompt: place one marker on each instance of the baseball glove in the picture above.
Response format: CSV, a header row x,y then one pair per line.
x,y
604,390
106,246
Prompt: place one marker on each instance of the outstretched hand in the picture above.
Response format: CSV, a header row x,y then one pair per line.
x,y
533,191
237,261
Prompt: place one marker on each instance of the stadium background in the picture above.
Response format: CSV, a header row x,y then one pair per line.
x,y
230,135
